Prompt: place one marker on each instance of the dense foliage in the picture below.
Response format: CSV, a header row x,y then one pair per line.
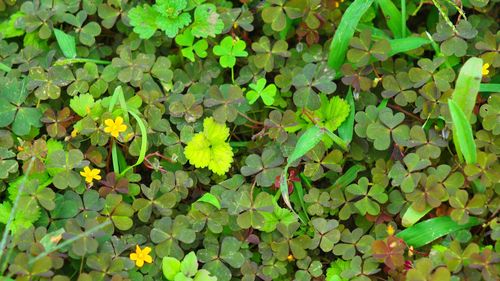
x,y
249,140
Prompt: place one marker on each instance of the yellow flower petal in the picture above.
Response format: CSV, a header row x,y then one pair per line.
x,y
118,121
139,262
109,122
133,256
146,250
121,128
148,259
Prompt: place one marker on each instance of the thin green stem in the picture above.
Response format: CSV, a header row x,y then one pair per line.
x,y
403,18
12,214
69,241
232,74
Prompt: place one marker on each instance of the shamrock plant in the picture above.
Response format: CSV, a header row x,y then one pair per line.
x,y
228,50
186,40
187,269
259,89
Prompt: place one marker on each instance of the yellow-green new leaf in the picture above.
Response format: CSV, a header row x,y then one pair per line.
x,y
463,133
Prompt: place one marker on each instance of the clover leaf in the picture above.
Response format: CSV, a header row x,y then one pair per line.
x,y
313,77
228,50
371,197
269,56
217,256
186,40
259,89
265,167
387,127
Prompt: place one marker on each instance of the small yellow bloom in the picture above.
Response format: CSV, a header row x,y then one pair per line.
x,y
114,128
74,133
290,258
141,256
485,69
390,230
90,174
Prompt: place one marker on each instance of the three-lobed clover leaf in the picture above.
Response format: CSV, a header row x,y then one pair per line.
x,y
313,77
370,197
218,258
388,127
400,88
186,40
429,72
265,167
363,51
279,10
409,176
267,55
259,89
228,50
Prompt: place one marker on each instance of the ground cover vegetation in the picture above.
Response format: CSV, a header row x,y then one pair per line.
x,y
249,140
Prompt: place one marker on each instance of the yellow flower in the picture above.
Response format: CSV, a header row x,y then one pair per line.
x,y
74,133
390,230
90,174
290,258
141,256
485,69
114,128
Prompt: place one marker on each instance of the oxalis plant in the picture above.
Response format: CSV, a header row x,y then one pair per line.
x,y
224,140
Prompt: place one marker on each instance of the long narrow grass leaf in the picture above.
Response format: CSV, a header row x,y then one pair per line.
x,y
427,231
412,216
345,31
393,17
403,45
489,88
349,176
346,129
467,85
144,141
463,130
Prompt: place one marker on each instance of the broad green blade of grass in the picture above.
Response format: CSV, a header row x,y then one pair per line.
x,y
411,216
462,133
346,128
306,142
467,85
4,67
345,31
393,18
349,176
489,88
427,231
407,44
66,42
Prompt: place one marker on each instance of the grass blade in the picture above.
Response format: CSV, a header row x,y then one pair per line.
x,y
489,88
411,216
467,85
393,17
427,231
406,44
4,67
306,142
345,31
346,128
66,42
462,133
348,177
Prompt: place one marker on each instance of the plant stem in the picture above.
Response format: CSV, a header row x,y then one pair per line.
x,y
403,18
12,214
400,109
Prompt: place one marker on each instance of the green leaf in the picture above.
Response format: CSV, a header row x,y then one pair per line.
x,y
489,88
170,267
207,22
411,215
210,199
349,176
467,85
346,128
66,42
427,231
462,133
82,104
259,89
189,265
345,31
392,16
403,45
